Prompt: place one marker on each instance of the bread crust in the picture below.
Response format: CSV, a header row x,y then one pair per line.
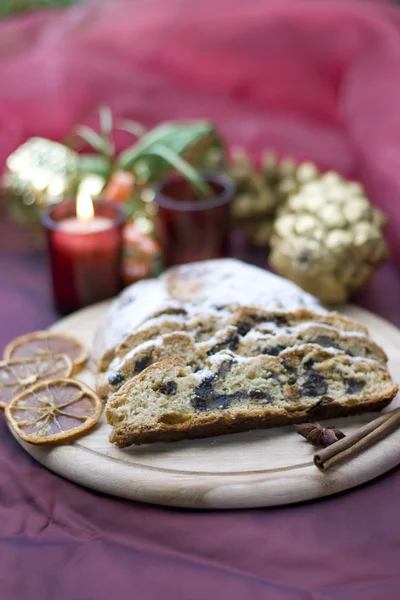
x,y
224,424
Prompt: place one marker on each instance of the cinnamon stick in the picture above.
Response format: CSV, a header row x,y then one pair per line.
x,y
357,442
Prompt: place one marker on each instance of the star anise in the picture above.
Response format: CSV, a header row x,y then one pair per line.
x,y
317,435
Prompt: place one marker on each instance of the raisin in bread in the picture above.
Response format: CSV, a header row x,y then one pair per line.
x,y
267,338
168,401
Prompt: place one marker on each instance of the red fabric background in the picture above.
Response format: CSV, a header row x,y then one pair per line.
x,y
316,79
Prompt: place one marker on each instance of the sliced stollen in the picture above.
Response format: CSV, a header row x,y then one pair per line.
x,y
202,285
204,324
169,402
256,341
181,343
169,319
352,343
236,328
148,353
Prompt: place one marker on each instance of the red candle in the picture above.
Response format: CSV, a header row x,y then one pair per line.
x,y
85,246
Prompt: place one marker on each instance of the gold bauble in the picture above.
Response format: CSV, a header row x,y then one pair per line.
x,y
261,191
328,238
41,170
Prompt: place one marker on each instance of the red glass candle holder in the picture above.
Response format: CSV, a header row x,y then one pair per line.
x,y
191,229
85,265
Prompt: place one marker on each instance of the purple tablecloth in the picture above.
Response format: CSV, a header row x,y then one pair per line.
x,y
61,541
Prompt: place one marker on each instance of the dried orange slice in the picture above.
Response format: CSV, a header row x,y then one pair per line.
x,y
18,374
41,343
54,411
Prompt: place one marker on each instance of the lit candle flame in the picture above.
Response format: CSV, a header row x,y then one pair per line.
x,y
84,207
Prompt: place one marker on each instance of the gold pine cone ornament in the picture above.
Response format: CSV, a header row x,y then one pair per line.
x,y
261,190
255,195
328,238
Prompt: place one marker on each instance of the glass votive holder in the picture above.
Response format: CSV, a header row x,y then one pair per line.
x,y
85,255
190,228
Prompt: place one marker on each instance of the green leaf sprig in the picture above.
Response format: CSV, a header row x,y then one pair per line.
x,y
153,153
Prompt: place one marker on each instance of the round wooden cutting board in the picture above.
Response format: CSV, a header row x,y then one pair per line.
x,y
258,468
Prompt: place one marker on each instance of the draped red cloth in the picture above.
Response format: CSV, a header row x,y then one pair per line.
x,y
314,79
